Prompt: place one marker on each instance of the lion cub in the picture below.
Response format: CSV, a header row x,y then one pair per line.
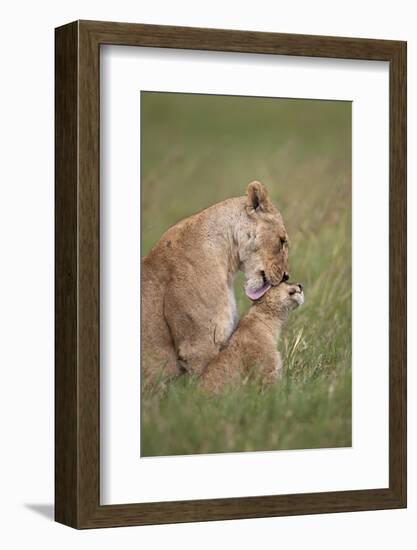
x,y
252,348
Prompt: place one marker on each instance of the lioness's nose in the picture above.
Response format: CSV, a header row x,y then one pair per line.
x,y
300,286
285,276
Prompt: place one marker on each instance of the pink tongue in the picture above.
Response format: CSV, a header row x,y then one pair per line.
x,y
256,294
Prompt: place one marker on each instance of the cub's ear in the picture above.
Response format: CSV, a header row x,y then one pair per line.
x,y
258,198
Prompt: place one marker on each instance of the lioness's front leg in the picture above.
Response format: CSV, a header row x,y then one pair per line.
x,y
199,330
194,357
195,345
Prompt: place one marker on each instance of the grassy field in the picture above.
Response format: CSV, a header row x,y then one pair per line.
x,y
198,150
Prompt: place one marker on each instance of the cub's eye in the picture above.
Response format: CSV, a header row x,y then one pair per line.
x,y
291,292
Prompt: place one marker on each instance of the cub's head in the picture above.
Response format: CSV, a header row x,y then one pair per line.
x,y
263,243
283,298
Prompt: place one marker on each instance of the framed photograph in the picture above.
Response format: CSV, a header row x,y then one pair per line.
x,y
230,274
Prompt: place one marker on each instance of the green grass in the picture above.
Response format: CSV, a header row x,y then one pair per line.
x,y
198,150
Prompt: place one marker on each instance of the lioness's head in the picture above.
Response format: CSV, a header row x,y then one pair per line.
x,y
263,243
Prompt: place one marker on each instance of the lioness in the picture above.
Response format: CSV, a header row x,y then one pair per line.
x,y
252,348
188,307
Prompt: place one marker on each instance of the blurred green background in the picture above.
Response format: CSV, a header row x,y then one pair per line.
x,y
197,150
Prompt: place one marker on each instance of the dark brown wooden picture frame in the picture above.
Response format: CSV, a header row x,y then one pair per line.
x,y
77,373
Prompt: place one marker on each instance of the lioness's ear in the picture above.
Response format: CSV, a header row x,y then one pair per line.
x,y
258,199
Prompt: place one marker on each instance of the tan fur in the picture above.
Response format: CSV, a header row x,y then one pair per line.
x,y
252,349
187,299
